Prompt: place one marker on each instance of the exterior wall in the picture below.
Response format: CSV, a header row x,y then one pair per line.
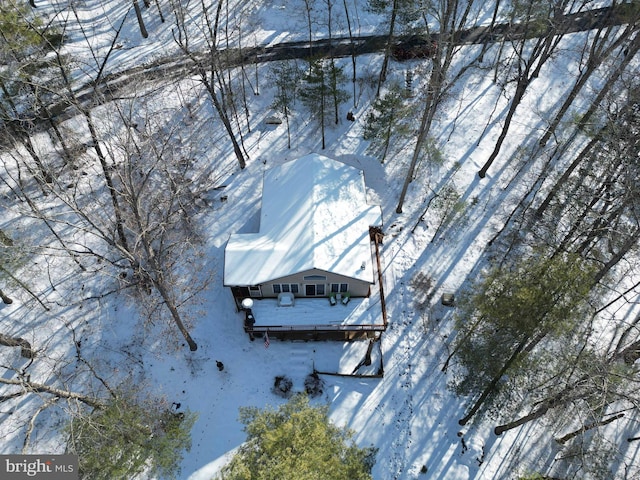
x,y
356,288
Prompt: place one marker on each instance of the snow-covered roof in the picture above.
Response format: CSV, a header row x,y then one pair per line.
x,y
314,216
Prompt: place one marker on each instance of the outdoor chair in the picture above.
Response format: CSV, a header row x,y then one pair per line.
x,y
332,299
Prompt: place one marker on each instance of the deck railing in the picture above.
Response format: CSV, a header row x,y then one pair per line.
x,y
317,328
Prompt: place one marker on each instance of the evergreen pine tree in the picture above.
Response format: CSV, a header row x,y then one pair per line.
x,y
285,76
323,89
384,121
127,437
297,441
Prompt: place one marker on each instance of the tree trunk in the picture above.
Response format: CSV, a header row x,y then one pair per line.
x,y
334,92
218,104
109,181
353,54
143,29
540,54
41,388
629,356
431,102
72,97
445,50
286,119
24,286
606,220
596,56
212,65
159,11
309,9
5,298
584,153
387,49
613,261
556,400
157,277
571,236
521,88
48,223
494,382
323,102
586,428
66,151
629,54
534,415
487,42
387,139
25,347
20,131
159,284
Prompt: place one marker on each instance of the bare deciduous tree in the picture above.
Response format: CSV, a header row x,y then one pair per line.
x,y
530,60
208,66
451,17
156,183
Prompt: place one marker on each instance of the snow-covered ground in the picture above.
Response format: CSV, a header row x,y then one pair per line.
x,y
409,414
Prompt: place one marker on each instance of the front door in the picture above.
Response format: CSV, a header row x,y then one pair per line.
x,y
314,289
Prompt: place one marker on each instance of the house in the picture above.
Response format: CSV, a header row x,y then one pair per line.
x,y
313,242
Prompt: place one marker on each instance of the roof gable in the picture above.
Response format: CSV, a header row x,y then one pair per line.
x,y
314,215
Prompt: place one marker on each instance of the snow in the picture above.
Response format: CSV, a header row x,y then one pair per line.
x,y
311,311
314,215
409,414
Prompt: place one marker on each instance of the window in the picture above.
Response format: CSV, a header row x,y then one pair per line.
x,y
312,278
285,287
254,291
339,287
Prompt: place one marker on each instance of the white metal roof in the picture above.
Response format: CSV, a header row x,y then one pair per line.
x,y
314,215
